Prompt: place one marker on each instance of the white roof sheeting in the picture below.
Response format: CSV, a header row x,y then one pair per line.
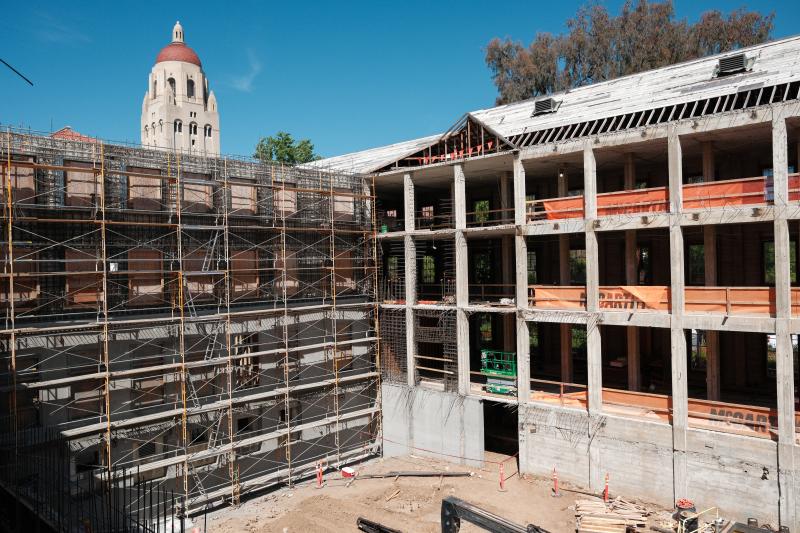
x,y
372,159
775,62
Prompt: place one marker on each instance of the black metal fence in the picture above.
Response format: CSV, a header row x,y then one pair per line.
x,y
42,491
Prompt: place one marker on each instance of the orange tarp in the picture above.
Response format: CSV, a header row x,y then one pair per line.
x,y
731,300
655,298
658,405
557,297
735,418
721,193
794,187
654,200
569,207
569,399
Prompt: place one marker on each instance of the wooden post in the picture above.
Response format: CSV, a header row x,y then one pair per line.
x,y
710,268
631,278
563,261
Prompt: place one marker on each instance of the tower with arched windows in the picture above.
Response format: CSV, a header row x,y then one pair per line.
x,y
179,110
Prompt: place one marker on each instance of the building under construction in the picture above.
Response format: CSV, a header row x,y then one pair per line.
x,y
203,325
605,282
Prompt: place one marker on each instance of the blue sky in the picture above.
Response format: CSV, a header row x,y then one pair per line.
x,y
348,76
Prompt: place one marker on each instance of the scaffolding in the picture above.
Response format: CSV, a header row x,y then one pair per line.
x,y
208,324
436,357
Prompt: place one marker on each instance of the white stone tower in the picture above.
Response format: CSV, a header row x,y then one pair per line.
x,y
179,111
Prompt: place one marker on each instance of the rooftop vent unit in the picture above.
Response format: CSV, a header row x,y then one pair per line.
x,y
733,64
546,105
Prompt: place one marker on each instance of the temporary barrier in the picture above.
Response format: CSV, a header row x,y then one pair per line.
x,y
649,405
758,301
638,297
794,187
746,191
555,208
557,297
735,418
715,194
653,200
561,393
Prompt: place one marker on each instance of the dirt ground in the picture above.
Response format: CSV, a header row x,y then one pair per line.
x,y
415,508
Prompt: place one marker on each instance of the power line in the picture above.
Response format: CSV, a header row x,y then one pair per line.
x,y
18,73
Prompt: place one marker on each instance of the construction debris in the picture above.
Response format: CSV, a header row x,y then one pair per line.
x,y
594,516
412,473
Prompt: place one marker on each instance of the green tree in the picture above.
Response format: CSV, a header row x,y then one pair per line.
x,y
283,148
598,46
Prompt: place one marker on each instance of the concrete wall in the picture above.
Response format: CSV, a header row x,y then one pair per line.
x,y
735,473
426,422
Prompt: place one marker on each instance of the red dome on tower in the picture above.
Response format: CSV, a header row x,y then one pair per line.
x,y
178,52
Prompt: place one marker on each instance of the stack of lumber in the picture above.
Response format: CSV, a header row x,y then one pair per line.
x,y
596,516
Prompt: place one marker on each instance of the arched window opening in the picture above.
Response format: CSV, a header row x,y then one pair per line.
x,y
155,89
178,126
193,128
160,126
190,88
172,92
146,132
207,131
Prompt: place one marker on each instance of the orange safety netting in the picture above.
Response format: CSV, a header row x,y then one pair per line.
x,y
543,296
721,193
654,200
730,300
653,298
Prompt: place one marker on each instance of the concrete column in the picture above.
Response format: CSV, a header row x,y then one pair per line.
x,y
710,268
462,278
411,298
783,311
408,201
521,281
592,251
594,361
519,192
460,197
675,155
523,361
410,279
680,417
594,364
589,183
631,278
